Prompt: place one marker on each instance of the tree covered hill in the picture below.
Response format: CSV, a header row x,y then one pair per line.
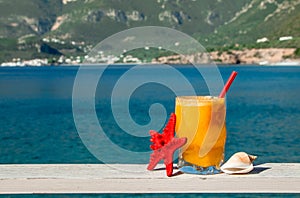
x,y
51,28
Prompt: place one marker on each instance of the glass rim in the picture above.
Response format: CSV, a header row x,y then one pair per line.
x,y
198,100
208,98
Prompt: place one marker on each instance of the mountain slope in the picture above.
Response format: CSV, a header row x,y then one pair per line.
x,y
19,18
73,26
104,18
266,18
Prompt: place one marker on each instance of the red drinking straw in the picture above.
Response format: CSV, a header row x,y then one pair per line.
x,y
227,85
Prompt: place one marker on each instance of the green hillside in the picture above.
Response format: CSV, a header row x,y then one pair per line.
x,y
104,18
50,28
271,20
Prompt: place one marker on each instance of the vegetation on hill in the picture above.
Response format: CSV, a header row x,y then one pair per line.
x,y
51,28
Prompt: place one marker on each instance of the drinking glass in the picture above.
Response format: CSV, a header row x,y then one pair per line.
x,y
201,119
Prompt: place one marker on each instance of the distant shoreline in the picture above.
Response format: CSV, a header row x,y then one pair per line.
x,y
145,64
261,56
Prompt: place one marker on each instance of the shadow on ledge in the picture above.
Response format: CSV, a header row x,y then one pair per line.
x,y
258,170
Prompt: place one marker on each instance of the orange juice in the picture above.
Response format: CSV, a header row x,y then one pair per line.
x,y
201,119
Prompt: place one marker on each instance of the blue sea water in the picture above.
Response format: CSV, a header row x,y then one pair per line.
x,y
37,124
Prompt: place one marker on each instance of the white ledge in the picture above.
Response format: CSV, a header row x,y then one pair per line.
x,y
134,178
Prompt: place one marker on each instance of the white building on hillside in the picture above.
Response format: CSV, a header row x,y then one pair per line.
x,y
285,38
262,40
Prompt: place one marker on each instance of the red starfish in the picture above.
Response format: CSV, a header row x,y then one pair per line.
x,y
166,153
164,146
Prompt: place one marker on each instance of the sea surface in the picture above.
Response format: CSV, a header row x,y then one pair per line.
x,y
37,123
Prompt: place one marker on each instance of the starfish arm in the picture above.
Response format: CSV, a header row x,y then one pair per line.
x,y
168,131
169,150
155,157
169,169
171,147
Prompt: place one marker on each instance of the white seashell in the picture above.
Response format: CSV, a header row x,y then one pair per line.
x,y
239,163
